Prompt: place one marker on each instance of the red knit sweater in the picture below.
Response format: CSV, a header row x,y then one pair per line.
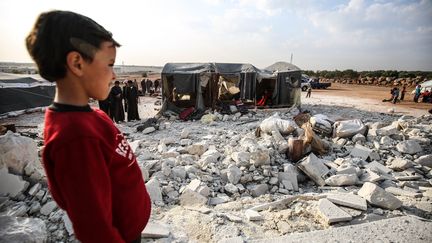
x,y
93,175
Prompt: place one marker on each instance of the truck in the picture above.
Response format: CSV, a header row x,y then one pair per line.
x,y
316,84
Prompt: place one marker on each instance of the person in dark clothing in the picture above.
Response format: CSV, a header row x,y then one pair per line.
x,y
131,96
105,105
149,84
116,106
143,86
156,85
125,94
395,95
403,92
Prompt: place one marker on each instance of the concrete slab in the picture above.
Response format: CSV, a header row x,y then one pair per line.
x,y
348,200
155,231
377,196
252,215
400,229
332,213
361,152
377,167
401,192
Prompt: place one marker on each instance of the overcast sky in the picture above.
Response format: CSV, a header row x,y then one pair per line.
x,y
321,34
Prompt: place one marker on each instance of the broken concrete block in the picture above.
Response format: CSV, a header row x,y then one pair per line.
x,y
154,191
155,231
359,138
348,200
184,133
388,130
278,203
291,177
252,215
361,152
260,158
10,184
194,184
425,160
48,208
342,180
148,130
258,190
409,147
332,213
347,168
17,151
400,164
401,192
234,174
196,149
377,196
241,158
18,229
191,198
315,169
67,224
230,188
237,239
377,167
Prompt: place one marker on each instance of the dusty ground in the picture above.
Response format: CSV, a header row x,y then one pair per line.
x,y
368,98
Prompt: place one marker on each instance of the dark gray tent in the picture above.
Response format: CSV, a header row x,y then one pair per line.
x,y
287,84
21,92
247,77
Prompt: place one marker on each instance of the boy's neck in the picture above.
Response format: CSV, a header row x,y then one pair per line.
x,y
69,92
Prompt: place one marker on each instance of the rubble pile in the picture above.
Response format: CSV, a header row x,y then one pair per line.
x,y
235,178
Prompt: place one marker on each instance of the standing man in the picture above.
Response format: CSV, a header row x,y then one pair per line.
x,y
131,97
403,92
116,105
143,86
156,85
417,93
309,91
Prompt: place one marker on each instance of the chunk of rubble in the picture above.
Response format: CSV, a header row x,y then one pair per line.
x,y
258,190
68,224
154,191
10,184
348,200
191,198
196,149
377,167
17,151
401,192
361,152
400,164
315,169
409,147
332,213
148,130
252,215
237,239
389,130
377,196
17,229
155,230
291,177
425,160
277,203
342,180
48,208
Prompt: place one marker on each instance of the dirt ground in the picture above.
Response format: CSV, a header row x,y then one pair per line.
x,y
366,97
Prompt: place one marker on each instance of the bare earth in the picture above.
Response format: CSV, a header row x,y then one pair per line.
x,y
368,98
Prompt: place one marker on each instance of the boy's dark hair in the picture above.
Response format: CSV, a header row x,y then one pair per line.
x,y
56,33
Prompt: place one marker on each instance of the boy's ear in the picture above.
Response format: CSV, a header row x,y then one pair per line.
x,y
74,62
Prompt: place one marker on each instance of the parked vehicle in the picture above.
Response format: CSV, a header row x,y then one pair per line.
x,y
305,82
316,84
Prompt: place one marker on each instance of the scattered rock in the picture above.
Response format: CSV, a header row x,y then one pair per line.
x,y
375,195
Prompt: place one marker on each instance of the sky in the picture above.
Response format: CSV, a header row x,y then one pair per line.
x,y
319,34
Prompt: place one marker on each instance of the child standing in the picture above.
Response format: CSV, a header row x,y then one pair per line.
x,y
92,172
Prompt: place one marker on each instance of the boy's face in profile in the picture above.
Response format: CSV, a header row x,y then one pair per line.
x,y
98,74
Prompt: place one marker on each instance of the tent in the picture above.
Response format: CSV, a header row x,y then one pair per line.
x,y
21,92
203,84
189,84
287,83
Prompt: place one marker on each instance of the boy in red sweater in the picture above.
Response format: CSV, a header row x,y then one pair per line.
x,y
92,172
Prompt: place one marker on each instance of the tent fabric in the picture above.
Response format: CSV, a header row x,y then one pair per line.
x,y
186,83
282,67
21,92
171,68
226,68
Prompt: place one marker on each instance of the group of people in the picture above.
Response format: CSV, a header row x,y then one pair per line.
x,y
113,105
147,86
426,95
397,95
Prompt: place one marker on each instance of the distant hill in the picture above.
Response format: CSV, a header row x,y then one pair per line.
x,y
30,68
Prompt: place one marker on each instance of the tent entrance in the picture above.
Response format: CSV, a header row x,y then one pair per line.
x,y
265,91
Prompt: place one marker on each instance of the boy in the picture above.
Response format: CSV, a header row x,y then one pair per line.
x,y
92,172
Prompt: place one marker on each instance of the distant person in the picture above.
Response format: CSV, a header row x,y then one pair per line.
x,y
132,101
116,105
105,105
391,95
143,86
149,85
92,172
124,92
403,92
309,92
417,93
156,85
395,95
